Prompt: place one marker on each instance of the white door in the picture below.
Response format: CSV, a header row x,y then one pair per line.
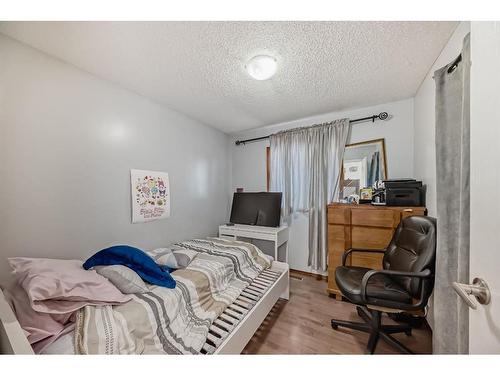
x,y
484,323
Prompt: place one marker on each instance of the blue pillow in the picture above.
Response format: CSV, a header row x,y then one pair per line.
x,y
134,259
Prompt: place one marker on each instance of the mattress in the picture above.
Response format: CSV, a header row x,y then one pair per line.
x,y
220,329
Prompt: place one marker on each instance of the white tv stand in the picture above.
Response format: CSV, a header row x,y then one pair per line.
x,y
278,235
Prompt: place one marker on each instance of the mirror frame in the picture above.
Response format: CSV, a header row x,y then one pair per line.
x,y
381,140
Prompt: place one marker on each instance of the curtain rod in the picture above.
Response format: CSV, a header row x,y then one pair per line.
x,y
380,116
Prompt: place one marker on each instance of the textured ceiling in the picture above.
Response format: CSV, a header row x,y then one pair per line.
x,y
198,67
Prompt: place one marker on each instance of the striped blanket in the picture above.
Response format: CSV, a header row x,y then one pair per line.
x,y
173,321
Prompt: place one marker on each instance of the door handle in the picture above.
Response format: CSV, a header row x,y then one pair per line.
x,y
478,289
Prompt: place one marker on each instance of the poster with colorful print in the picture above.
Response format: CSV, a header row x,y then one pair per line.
x,y
150,195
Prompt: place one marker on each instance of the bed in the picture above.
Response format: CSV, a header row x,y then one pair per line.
x,y
228,332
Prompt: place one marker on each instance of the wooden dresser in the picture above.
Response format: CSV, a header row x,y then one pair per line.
x,y
361,226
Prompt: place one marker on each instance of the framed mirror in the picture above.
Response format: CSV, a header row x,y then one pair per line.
x,y
363,164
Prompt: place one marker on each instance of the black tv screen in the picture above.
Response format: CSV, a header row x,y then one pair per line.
x,y
262,209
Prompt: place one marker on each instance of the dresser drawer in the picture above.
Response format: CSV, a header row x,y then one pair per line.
x,y
368,260
370,237
417,211
339,216
373,218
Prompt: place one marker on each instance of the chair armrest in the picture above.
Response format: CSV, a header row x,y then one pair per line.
x,y
426,274
349,251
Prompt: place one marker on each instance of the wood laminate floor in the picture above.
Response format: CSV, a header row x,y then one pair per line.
x,y
302,326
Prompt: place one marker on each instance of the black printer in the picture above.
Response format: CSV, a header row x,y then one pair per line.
x,y
404,192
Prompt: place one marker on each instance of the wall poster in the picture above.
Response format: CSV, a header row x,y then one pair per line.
x,y
150,195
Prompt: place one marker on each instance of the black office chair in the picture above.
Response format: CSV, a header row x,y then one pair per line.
x,y
403,285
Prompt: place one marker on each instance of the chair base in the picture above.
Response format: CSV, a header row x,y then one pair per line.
x,y
376,329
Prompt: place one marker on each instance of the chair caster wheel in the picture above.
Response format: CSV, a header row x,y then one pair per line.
x,y
408,333
335,326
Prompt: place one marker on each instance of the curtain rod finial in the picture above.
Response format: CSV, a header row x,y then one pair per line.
x,y
383,115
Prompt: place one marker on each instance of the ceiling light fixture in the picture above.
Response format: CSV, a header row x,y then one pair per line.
x,y
261,67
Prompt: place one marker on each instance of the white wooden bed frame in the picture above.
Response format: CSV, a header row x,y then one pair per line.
x,y
13,339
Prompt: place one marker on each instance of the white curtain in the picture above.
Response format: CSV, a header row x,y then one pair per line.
x,y
305,167
451,315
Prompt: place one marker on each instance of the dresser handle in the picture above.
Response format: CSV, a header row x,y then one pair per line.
x,y
408,210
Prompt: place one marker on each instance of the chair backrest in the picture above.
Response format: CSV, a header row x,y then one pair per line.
x,y
413,249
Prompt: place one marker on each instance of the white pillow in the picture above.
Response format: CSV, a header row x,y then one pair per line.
x,y
165,257
125,279
184,256
174,257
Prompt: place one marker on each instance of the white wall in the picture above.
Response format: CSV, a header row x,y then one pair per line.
x,y
249,161
67,143
425,126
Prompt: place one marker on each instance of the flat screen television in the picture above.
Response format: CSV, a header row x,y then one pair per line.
x,y
262,209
